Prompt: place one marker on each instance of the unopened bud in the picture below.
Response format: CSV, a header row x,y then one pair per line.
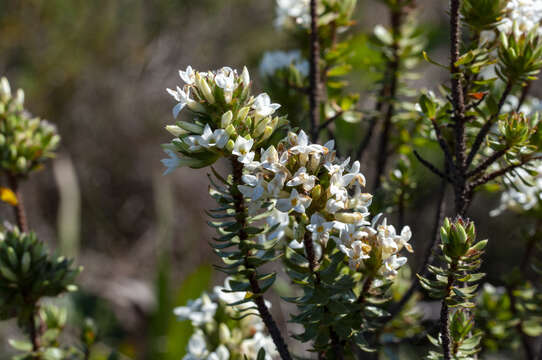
x,y
204,88
226,119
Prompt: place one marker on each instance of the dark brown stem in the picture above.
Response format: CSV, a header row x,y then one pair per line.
x,y
394,64
365,290
313,265
487,162
491,176
20,214
32,329
314,75
445,316
429,255
529,354
432,168
241,218
401,209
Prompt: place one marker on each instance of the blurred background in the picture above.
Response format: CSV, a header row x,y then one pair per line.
x,y
98,70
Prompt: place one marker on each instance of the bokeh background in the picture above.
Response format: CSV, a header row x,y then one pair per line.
x,y
98,69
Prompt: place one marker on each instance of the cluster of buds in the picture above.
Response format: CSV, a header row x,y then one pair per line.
x,y
227,119
25,141
212,316
457,238
317,195
28,273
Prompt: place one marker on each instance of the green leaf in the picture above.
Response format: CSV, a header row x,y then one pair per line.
x,y
20,345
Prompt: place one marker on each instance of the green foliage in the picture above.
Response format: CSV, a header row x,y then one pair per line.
x,y
465,340
29,273
483,15
25,141
520,57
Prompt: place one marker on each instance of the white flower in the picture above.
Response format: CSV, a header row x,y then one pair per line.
x,y
302,144
334,205
275,60
245,77
275,186
242,148
282,220
386,238
255,188
391,264
199,311
226,81
320,228
194,142
357,252
172,163
263,106
297,202
197,347
251,347
354,175
522,17
188,76
183,97
301,177
221,353
218,138
402,240
348,233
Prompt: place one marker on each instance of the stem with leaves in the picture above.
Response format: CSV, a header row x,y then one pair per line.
x,y
19,211
240,216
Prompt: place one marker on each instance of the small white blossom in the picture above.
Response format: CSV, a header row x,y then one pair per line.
x,y
391,264
297,202
357,252
188,76
320,228
275,60
199,311
263,106
242,148
301,177
183,97
218,138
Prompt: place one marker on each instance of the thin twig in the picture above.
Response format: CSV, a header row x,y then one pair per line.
x,y
394,65
445,317
524,93
487,162
314,75
241,218
432,167
491,176
19,211
330,120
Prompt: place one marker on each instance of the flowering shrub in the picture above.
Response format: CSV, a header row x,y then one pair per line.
x,y
295,210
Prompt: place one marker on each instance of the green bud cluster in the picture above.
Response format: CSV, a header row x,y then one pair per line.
x,y
28,273
520,57
465,343
458,237
25,141
482,15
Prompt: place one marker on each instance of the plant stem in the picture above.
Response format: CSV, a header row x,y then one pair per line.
x,y
314,75
241,218
445,316
20,214
394,64
32,330
313,264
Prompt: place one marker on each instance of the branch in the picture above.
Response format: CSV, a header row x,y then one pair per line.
x,y
240,216
487,162
487,126
445,317
448,159
394,64
33,331
20,213
523,97
432,168
491,176
314,75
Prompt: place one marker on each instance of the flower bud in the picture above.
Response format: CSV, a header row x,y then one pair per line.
x,y
267,133
230,129
230,144
196,107
316,192
175,130
242,114
202,85
349,218
224,333
245,77
226,119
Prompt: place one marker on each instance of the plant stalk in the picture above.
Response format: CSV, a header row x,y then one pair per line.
x,y
314,75
19,211
266,316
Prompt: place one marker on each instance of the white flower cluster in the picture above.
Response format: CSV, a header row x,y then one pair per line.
x,y
292,12
523,16
276,60
245,338
310,188
524,192
227,119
